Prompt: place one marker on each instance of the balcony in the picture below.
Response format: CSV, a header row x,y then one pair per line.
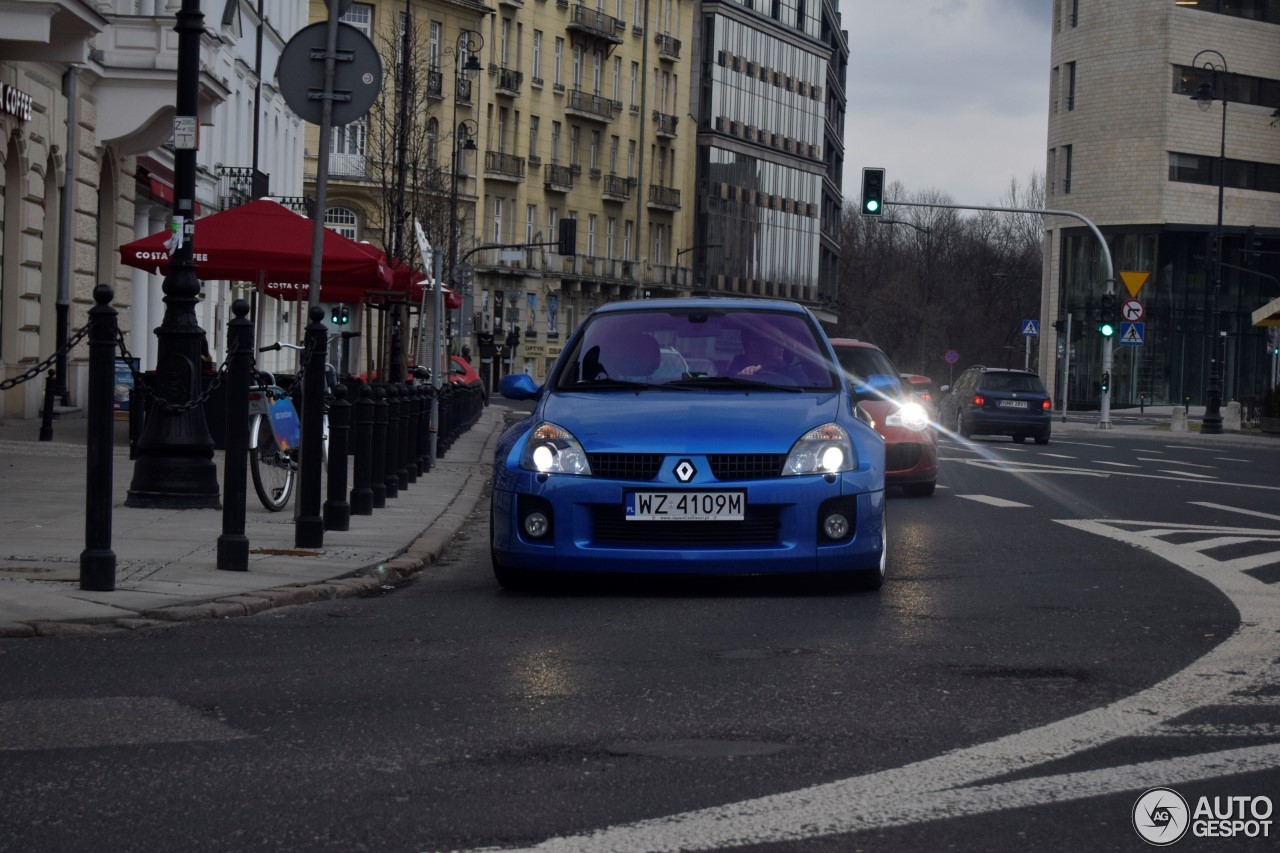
x,y
663,198
435,84
239,185
595,24
135,95
586,105
347,165
668,47
501,166
462,91
665,124
616,188
558,178
508,80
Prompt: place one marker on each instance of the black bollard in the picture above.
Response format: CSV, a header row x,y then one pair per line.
x,y
97,560
337,512
391,476
402,446
308,525
409,436
424,431
361,494
233,545
378,459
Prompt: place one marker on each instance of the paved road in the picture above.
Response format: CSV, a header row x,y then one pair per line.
x,y
1064,626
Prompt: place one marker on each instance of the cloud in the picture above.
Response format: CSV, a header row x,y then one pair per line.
x,y
950,96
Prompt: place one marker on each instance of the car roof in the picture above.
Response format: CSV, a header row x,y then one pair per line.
x,y
716,302
853,342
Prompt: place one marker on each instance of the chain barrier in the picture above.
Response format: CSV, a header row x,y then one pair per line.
x,y
140,380
41,367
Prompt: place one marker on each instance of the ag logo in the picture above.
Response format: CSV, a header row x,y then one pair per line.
x,y
1161,816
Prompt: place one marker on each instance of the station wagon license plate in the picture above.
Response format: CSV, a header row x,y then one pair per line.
x,y
1013,404
684,506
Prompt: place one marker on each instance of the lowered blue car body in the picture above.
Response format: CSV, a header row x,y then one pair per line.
x,y
724,471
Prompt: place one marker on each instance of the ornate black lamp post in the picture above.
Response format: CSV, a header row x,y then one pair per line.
x,y
1213,65
174,467
468,45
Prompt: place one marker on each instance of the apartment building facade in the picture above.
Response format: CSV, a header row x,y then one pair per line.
x,y
1129,148
86,113
614,115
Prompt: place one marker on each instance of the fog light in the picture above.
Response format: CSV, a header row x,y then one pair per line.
x,y
836,526
536,525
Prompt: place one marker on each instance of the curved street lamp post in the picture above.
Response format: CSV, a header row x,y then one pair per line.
x,y
1209,90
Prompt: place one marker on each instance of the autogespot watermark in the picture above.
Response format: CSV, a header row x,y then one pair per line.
x,y
1161,816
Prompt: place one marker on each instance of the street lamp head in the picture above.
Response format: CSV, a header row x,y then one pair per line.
x,y
1204,96
472,65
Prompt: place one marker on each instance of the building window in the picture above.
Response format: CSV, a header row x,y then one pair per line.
x,y
342,220
497,220
573,146
1240,174
610,237
533,136
617,77
537,54
530,222
1236,88
626,240
1066,169
1071,86
360,16
591,235
555,142
594,162
1257,10
635,82
558,63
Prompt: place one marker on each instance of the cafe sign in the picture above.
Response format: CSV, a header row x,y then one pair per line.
x,y
15,102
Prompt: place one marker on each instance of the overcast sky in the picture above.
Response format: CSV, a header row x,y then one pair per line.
x,y
949,95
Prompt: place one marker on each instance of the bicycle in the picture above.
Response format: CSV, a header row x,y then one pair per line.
x,y
275,433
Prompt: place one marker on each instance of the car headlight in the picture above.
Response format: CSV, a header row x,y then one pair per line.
x,y
552,449
824,450
910,415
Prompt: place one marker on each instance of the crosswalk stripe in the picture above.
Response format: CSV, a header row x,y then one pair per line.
x,y
988,499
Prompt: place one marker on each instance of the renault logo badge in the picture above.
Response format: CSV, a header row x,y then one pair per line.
x,y
685,471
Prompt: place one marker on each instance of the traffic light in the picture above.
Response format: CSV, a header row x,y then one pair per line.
x,y
1105,386
872,191
340,315
1060,326
1252,247
1107,315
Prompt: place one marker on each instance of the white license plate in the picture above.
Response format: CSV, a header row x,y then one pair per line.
x,y
684,506
1012,404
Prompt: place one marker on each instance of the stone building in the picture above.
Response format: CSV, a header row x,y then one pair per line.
x,y
1129,148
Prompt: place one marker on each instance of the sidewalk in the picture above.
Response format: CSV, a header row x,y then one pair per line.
x,y
1154,422
166,559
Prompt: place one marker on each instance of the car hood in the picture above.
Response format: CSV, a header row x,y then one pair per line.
x,y
691,422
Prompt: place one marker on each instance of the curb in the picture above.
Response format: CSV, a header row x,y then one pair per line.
x,y
423,551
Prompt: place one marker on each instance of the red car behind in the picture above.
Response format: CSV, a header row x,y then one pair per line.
x,y
902,418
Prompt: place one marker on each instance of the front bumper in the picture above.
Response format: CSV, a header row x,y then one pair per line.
x,y
780,535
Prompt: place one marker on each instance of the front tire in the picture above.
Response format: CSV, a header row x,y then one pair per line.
x,y
919,490
273,471
960,427
512,580
870,580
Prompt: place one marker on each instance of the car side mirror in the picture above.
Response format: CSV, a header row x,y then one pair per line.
x,y
519,386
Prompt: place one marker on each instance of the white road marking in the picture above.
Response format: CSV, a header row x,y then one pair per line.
x,y
1190,447
1116,464
1188,474
945,786
1252,512
1033,468
988,499
1176,462
1057,455
1231,459
1085,444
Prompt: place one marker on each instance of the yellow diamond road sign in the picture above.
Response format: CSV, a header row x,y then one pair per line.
x,y
1133,281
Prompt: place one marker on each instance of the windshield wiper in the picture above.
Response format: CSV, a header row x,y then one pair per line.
x,y
745,382
607,384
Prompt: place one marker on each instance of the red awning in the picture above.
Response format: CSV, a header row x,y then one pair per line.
x,y
264,241
413,283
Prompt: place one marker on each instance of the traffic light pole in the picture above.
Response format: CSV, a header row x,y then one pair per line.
x,y
1104,407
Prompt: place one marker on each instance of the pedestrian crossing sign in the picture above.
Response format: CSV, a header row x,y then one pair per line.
x,y
1031,328
1132,334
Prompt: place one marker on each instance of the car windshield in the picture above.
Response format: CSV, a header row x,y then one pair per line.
x,y
859,363
697,347
1012,382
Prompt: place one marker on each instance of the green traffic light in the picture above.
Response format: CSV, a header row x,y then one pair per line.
x,y
1107,330
872,205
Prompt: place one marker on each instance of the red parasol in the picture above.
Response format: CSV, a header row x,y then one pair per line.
x,y
264,240
412,282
